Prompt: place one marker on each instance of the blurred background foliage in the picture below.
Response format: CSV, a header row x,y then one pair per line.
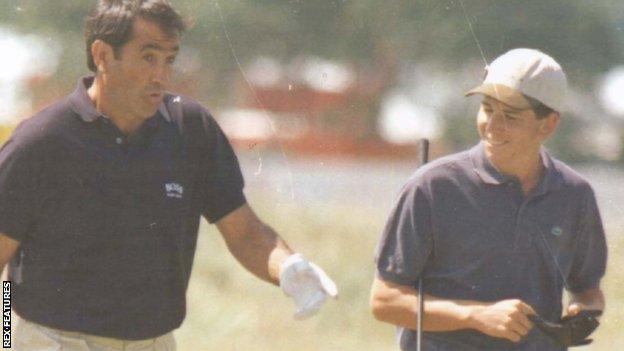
x,y
586,37
385,40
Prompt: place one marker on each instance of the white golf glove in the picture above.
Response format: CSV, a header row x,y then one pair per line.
x,y
307,284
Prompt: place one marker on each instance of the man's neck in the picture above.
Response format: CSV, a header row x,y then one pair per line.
x,y
104,104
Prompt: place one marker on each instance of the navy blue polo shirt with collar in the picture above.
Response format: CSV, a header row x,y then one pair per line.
x,y
472,234
107,222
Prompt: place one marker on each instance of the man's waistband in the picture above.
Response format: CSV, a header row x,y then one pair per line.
x,y
114,343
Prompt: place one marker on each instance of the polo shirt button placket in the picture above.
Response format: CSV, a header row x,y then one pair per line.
x,y
524,226
521,237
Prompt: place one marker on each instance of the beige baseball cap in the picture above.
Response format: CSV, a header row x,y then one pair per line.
x,y
521,72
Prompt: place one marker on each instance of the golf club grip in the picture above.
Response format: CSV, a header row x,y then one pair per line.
x,y
424,158
424,151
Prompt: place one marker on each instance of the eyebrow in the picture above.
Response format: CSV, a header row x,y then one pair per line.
x,y
155,46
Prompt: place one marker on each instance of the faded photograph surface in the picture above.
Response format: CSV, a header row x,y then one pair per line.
x,y
154,156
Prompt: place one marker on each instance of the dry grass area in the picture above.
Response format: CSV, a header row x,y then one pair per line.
x,y
231,310
610,336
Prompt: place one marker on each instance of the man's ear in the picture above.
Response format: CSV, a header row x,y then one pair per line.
x,y
550,124
103,54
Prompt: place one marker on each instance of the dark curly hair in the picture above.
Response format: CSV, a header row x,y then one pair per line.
x,y
111,21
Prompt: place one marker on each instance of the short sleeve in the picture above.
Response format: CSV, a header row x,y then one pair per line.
x,y
18,170
590,259
223,184
406,241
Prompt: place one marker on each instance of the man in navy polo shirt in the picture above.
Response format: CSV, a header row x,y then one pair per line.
x,y
496,232
101,195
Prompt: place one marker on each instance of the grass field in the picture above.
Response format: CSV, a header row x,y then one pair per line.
x,y
231,310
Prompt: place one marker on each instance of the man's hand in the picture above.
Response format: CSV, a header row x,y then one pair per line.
x,y
590,299
571,330
307,284
8,247
506,319
580,321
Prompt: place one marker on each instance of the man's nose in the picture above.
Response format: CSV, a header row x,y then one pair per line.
x,y
161,74
496,122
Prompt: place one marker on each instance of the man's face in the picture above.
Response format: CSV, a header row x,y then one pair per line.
x,y
137,79
510,134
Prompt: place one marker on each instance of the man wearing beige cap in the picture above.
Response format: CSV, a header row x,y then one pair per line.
x,y
497,232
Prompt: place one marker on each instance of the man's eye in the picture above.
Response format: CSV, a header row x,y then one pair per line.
x,y
511,117
149,58
171,60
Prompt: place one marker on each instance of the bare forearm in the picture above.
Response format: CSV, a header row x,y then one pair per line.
x,y
399,306
439,315
263,252
254,244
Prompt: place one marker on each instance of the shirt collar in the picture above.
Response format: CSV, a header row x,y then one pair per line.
x,y
552,179
81,102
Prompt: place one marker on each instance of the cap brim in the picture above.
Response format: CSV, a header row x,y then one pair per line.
x,y
502,93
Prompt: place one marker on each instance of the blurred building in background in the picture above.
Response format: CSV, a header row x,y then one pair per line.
x,y
346,78
315,106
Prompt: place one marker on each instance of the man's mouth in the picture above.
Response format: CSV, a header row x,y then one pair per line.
x,y
495,143
155,96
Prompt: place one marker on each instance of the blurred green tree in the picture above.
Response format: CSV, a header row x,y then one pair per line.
x,y
584,36
377,37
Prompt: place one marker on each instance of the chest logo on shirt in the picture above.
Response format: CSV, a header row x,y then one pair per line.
x,y
556,231
174,190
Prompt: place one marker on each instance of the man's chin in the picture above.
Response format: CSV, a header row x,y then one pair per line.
x,y
496,151
149,111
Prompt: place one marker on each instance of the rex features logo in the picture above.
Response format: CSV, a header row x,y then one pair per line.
x,y
174,190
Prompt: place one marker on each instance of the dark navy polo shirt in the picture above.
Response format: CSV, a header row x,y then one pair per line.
x,y
108,222
472,234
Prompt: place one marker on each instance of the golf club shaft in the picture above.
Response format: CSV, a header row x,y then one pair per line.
x,y
424,158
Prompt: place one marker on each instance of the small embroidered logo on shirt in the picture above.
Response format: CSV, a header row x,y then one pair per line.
x,y
556,231
174,190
